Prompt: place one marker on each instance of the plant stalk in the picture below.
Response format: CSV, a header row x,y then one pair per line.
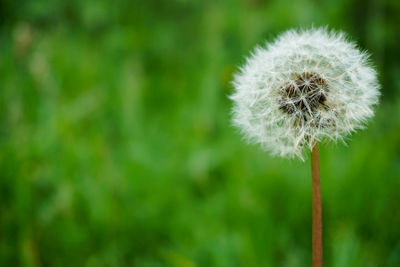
x,y
316,209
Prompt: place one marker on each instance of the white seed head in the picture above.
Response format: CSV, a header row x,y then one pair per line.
x,y
306,86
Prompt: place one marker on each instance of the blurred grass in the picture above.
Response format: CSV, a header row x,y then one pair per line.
x,y
116,147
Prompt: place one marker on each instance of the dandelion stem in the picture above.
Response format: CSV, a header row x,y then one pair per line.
x,y
316,209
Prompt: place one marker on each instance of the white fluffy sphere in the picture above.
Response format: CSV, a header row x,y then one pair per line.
x,y
306,86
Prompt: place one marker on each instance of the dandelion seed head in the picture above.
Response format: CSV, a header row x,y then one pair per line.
x,y
306,86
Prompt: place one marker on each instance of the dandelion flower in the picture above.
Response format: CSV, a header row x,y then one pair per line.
x,y
304,87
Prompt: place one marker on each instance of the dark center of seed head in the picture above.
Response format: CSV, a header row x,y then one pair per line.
x,y
304,96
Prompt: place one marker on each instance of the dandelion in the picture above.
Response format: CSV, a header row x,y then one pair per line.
x,y
305,87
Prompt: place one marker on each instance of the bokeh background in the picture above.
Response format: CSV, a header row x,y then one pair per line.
x,y
116,147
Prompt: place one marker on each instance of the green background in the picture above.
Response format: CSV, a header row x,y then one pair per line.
x,y
116,147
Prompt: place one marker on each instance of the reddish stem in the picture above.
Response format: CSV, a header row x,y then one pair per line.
x,y
316,209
